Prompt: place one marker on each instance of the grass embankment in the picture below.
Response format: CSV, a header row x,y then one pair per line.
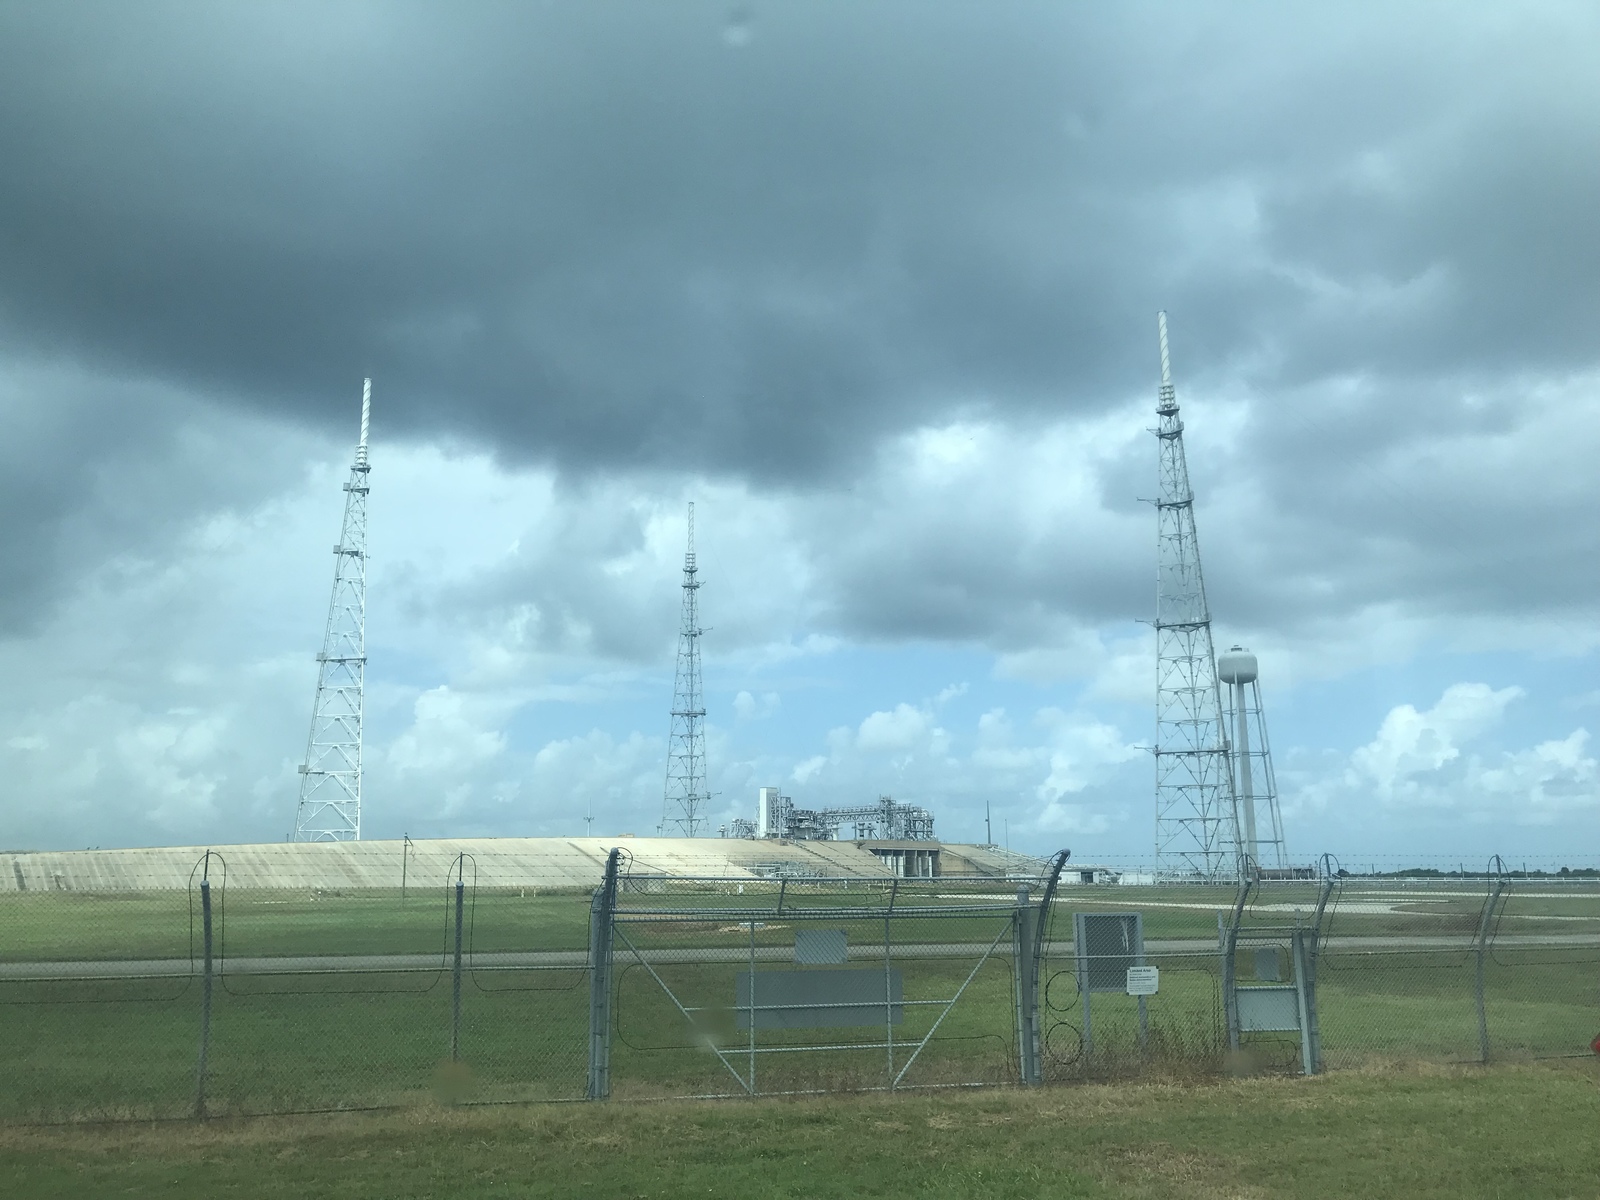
x,y
1525,1132
251,922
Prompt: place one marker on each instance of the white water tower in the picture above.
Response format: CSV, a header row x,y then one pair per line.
x,y
1251,759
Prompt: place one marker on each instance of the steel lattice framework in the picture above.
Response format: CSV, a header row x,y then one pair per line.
x,y
686,796
330,777
1195,821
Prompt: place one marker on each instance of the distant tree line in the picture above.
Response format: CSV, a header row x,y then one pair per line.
x,y
1435,873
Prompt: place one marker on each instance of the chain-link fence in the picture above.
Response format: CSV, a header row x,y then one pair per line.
x,y
118,1005
158,1003
1459,969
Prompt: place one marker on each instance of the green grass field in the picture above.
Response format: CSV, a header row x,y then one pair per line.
x,y
151,925
1405,1133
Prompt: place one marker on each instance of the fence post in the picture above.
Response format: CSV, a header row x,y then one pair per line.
x,y
1485,922
1225,953
405,853
1313,951
1084,966
1025,944
205,991
1033,926
1306,1000
602,914
455,978
1229,938
888,974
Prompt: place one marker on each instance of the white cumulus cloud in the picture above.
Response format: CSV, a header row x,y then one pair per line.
x,y
448,734
901,729
1411,745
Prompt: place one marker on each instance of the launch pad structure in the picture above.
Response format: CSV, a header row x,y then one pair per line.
x,y
777,816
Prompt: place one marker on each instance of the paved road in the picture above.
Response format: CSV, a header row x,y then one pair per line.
x,y
555,959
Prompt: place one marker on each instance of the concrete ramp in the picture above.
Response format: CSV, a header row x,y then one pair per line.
x,y
499,862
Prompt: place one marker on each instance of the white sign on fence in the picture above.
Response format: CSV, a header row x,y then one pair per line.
x,y
1144,981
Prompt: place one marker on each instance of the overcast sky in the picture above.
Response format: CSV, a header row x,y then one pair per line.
x,y
875,285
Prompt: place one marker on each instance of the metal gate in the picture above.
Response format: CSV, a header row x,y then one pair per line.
x,y
721,986
1280,963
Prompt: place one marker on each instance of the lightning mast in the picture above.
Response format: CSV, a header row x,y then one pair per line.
x,y
686,795
330,776
1196,826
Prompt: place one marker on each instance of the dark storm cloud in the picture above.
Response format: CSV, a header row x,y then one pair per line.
x,y
638,240
1445,495
96,472
619,234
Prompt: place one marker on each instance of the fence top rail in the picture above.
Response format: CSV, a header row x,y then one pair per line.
x,y
816,912
878,882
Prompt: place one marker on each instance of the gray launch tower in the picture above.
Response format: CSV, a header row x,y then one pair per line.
x,y
1196,828
684,810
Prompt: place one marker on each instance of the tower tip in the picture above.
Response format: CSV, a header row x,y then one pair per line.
x,y
1166,362
366,418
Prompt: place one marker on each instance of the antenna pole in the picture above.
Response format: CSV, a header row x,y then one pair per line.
x,y
1166,359
366,419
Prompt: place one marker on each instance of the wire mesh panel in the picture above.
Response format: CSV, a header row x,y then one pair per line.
x,y
98,1005
1542,1001
330,998
1181,1028
525,1023
1396,1004
1460,969
319,999
352,999
1542,970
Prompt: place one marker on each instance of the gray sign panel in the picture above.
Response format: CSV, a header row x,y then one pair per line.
x,y
1107,944
820,947
819,999
1267,1009
1267,964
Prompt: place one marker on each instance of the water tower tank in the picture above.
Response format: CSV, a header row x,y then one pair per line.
x,y
1238,665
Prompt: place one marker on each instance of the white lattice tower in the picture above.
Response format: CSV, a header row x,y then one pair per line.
x,y
1196,829
330,776
686,797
